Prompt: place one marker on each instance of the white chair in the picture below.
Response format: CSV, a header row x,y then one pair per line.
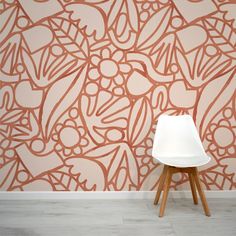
x,y
178,146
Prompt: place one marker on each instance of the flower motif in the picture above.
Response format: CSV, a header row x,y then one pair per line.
x,y
148,7
69,138
107,67
222,137
144,156
7,152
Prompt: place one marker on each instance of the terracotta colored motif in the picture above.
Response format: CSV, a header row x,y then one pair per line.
x,y
84,82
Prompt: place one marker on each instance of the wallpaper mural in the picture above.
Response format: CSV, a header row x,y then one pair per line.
x,y
84,82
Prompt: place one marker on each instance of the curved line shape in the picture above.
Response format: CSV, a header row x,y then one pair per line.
x,y
8,78
154,75
125,45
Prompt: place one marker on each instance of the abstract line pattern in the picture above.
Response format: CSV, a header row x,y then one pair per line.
x,y
84,82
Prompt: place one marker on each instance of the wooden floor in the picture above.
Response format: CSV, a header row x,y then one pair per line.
x,y
116,218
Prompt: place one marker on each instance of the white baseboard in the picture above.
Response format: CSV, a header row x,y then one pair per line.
x,y
38,195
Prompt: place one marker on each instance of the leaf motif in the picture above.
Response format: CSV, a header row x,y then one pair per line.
x,y
63,181
29,64
222,35
7,174
215,179
115,9
7,22
122,154
9,54
133,15
210,68
154,28
49,68
102,112
229,166
94,179
70,37
12,116
184,64
131,12
26,132
163,53
56,104
150,181
121,179
132,166
203,69
33,184
123,23
113,156
140,121
214,96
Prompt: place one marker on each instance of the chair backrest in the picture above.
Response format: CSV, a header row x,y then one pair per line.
x,y
177,136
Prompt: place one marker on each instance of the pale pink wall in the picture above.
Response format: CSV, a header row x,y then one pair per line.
x,y
83,83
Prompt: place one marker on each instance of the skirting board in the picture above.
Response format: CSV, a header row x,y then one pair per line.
x,y
38,195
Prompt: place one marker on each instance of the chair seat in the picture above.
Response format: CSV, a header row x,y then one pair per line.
x,y
185,161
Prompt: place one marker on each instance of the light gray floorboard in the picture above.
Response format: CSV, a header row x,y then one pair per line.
x,y
115,218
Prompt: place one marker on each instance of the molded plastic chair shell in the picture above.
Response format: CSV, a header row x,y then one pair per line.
x,y
177,142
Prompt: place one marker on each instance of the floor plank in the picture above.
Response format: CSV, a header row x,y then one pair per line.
x,y
115,218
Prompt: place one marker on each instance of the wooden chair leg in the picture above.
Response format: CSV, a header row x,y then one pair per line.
x,y
200,191
160,185
166,190
193,188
